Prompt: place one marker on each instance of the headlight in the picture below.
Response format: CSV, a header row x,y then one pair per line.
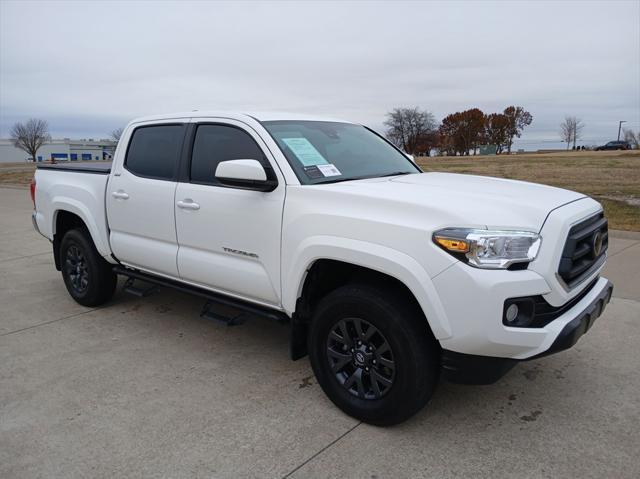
x,y
489,249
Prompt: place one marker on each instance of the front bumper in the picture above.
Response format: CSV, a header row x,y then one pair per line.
x,y
581,323
475,369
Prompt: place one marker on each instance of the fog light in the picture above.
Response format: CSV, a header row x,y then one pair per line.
x,y
512,313
518,312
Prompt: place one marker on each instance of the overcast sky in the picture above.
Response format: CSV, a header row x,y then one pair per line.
x,y
89,67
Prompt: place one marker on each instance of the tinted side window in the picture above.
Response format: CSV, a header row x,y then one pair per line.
x,y
216,143
154,151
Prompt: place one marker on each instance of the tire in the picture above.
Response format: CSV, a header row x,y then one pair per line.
x,y
88,277
405,375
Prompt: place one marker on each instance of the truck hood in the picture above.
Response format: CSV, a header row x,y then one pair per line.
x,y
467,200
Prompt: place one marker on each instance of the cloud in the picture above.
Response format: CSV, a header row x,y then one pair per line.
x,y
91,67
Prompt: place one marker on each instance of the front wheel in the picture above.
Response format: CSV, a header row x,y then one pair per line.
x,y
88,277
373,354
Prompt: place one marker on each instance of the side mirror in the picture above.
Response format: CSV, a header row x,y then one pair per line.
x,y
246,174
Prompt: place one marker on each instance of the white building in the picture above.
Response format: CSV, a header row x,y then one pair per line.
x,y
60,150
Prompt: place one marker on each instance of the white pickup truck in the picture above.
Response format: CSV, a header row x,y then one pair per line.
x,y
390,277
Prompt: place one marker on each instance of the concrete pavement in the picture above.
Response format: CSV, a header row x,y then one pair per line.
x,y
146,388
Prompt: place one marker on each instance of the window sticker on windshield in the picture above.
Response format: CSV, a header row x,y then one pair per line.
x,y
313,172
305,151
329,170
321,171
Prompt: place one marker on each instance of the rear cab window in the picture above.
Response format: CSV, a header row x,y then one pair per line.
x,y
154,151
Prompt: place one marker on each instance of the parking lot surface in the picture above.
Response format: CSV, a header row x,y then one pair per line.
x,y
147,388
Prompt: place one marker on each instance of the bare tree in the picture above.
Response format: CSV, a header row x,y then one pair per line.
x,y
116,134
571,130
577,130
407,128
30,136
566,131
633,138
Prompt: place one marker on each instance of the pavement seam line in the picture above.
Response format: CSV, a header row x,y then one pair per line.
x,y
23,257
52,321
624,249
320,452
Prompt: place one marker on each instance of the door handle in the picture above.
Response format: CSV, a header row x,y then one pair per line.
x,y
188,205
121,195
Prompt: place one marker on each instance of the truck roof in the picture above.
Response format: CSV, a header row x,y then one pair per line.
x,y
236,115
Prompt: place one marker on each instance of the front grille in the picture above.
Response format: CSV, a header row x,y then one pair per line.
x,y
584,250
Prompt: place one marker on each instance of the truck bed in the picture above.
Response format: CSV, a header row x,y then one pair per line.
x,y
98,168
61,186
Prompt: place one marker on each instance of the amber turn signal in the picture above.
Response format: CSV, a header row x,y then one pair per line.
x,y
453,245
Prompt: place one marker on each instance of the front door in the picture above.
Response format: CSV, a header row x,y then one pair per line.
x,y
141,198
229,238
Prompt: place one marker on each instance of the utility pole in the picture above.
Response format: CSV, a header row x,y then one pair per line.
x,y
620,126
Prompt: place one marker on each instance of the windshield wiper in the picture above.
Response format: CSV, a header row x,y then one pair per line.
x,y
339,180
396,173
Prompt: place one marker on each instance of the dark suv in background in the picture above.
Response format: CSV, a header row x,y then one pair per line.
x,y
615,145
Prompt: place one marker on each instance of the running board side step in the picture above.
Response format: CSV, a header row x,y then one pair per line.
x,y
209,313
139,291
210,296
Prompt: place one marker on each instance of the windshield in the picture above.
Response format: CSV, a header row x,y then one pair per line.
x,y
328,152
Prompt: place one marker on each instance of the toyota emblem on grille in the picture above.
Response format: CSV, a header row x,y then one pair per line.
x,y
596,244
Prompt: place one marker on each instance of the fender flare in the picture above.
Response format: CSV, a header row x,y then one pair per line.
x,y
65,203
377,257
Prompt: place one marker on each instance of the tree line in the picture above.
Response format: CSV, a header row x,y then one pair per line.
x,y
413,130
416,131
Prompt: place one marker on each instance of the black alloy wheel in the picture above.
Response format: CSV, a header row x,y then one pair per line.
x,y
361,358
89,279
373,353
77,270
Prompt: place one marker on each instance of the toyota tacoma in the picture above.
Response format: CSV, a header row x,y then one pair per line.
x,y
390,277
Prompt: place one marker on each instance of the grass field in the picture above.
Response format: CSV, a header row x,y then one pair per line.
x,y
612,177
16,173
15,177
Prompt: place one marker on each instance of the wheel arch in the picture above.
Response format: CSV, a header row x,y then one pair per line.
x,y
69,217
326,275
340,258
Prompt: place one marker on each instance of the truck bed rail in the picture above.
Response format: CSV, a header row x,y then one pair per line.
x,y
102,168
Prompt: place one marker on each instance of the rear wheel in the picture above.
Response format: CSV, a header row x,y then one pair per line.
x,y
88,277
373,354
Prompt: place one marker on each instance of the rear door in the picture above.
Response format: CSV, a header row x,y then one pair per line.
x,y
229,238
141,196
